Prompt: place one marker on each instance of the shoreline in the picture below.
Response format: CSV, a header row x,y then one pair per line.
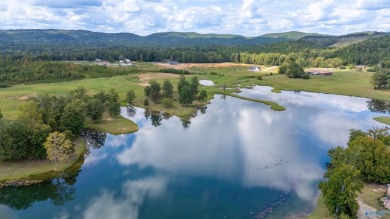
x,y
35,172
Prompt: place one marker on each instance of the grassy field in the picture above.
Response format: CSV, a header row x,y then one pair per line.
x,y
14,171
116,126
344,82
383,119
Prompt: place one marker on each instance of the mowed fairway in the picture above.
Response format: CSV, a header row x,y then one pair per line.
x,y
344,82
12,97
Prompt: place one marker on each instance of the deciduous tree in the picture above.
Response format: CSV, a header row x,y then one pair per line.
x,y
58,148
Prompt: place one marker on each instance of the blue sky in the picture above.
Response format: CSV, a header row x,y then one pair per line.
x,y
245,17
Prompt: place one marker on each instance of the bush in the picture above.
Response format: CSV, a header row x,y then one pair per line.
x,y
305,76
168,103
146,102
259,77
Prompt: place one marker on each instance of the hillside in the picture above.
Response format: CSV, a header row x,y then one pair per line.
x,y
292,35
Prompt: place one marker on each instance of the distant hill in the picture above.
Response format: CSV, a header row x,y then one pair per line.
x,y
23,38
292,35
194,35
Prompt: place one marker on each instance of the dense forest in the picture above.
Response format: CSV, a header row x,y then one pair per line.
x,y
30,56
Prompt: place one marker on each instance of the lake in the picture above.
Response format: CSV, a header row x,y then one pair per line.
x,y
231,159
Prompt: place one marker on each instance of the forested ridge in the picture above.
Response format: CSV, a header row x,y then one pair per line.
x,y
30,56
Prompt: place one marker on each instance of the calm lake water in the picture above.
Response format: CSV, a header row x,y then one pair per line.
x,y
235,159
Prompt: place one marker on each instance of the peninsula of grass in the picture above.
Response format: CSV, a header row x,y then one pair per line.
x,y
35,171
274,106
383,119
114,125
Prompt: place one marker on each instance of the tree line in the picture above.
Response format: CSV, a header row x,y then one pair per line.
x,y
23,70
366,159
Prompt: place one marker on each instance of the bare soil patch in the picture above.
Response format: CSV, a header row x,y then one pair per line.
x,y
181,66
145,78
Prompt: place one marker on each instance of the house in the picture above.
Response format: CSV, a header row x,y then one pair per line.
x,y
320,72
254,68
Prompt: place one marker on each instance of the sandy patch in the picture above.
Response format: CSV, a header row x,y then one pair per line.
x,y
363,208
145,78
208,65
26,97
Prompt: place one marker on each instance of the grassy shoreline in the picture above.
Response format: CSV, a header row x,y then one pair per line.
x,y
30,172
383,119
116,126
274,106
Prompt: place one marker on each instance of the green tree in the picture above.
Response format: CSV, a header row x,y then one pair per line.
x,y
146,102
194,86
147,91
381,79
72,120
31,112
114,108
102,96
113,96
294,70
340,189
94,109
371,157
58,148
283,69
155,89
202,95
14,140
186,95
79,94
1,115
167,89
182,82
130,97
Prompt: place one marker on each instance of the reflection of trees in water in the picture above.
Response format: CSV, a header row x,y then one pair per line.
x,y
131,112
94,138
185,122
378,106
58,191
203,109
147,114
166,115
156,119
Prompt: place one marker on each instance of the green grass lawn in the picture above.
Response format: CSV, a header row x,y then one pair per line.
x,y
383,119
116,126
344,82
13,171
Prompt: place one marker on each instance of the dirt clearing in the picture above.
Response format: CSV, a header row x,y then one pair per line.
x,y
145,78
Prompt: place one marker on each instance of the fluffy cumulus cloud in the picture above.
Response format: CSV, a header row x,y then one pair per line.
x,y
246,17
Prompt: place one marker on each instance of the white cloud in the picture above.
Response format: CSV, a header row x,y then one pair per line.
x,y
247,17
135,192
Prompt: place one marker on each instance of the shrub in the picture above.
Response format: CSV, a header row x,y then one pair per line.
x,y
305,76
168,103
146,102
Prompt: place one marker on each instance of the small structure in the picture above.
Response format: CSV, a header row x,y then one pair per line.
x,y
173,62
125,62
320,72
254,68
